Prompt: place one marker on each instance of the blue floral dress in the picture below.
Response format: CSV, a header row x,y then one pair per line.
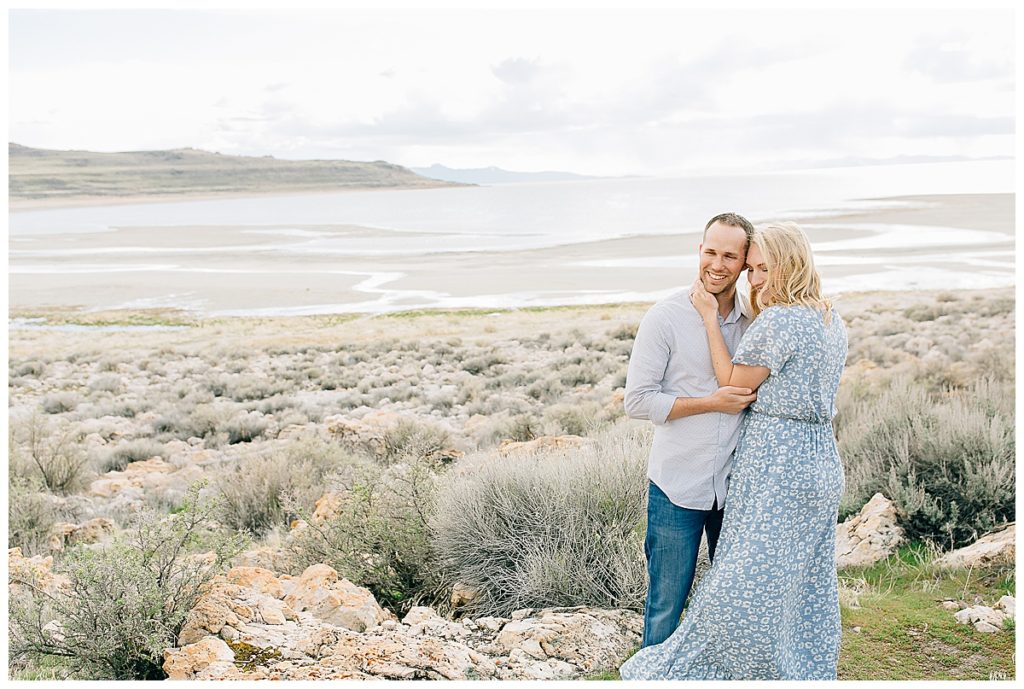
x,y
769,606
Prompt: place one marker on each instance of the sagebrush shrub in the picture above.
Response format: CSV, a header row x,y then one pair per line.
x,y
253,489
137,450
947,463
52,451
30,516
549,530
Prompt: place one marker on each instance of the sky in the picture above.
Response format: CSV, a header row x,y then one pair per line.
x,y
602,92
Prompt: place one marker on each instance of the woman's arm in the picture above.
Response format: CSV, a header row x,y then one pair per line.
x,y
726,372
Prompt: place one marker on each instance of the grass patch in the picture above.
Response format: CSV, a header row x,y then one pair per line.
x,y
904,634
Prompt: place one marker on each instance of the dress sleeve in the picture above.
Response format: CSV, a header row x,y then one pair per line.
x,y
770,341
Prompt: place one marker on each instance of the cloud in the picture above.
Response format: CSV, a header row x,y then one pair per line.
x,y
516,70
950,58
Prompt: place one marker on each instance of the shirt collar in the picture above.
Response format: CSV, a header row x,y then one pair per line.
x,y
740,308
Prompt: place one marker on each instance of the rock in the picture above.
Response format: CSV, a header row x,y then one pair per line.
x,y
271,612
950,605
463,594
149,466
995,548
981,615
585,637
37,571
1008,605
869,536
256,578
93,531
59,535
339,602
389,657
327,507
214,609
545,443
264,557
208,658
985,627
271,640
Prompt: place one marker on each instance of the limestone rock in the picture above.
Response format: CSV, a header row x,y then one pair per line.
x,y
326,628
390,657
546,443
869,536
463,594
264,557
215,608
338,601
981,616
256,578
326,508
587,638
992,549
37,571
208,658
1008,604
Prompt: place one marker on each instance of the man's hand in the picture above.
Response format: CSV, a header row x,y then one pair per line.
x,y
731,400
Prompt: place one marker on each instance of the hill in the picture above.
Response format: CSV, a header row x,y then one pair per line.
x,y
43,175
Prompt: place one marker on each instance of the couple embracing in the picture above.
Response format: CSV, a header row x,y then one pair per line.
x,y
742,398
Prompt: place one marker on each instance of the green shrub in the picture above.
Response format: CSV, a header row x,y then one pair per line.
x,y
947,463
549,531
128,601
379,537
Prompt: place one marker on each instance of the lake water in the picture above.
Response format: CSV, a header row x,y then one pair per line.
x,y
137,255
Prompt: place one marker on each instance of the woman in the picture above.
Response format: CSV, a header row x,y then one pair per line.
x,y
769,606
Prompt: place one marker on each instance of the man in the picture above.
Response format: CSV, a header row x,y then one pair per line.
x,y
671,383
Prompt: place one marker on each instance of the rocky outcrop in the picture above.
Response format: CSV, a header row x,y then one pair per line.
x,y
152,477
988,619
870,535
996,548
320,626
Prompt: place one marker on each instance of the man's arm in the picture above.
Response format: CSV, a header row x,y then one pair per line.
x,y
644,398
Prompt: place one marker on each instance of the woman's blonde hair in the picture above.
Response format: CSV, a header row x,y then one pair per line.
x,y
792,278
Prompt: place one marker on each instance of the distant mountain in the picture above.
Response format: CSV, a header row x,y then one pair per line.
x,y
494,175
853,161
37,174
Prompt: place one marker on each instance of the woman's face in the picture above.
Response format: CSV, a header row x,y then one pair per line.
x,y
757,271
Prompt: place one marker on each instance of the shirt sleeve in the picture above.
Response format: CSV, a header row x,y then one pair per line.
x,y
770,341
648,362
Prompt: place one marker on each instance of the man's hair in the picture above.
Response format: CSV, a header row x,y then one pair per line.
x,y
733,220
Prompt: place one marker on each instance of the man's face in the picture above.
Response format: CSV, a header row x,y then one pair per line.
x,y
722,257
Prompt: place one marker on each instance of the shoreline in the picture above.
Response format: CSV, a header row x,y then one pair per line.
x,y
19,205
207,272
162,321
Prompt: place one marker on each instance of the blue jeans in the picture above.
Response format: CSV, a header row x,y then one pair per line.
x,y
671,547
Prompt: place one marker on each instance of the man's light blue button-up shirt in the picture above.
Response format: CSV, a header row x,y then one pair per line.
x,y
691,457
